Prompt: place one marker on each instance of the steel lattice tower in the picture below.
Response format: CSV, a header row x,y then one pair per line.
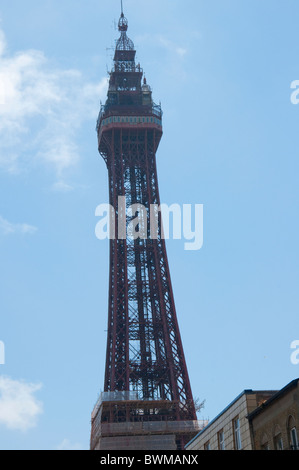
x,y
146,378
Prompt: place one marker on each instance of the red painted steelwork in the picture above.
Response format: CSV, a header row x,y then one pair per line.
x,y
144,347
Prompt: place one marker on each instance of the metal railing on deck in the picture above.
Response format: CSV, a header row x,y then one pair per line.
x,y
109,110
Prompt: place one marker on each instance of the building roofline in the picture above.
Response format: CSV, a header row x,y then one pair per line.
x,y
279,394
245,392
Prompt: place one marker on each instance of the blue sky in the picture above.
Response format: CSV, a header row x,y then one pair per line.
x,y
222,70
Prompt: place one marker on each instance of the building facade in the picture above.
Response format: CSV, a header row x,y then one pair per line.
x,y
275,424
230,430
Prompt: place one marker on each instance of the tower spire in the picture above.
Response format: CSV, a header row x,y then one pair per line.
x,y
123,22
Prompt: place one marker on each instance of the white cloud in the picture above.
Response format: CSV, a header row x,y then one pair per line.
x,y
62,186
7,228
42,107
162,41
181,51
2,43
67,445
170,46
19,408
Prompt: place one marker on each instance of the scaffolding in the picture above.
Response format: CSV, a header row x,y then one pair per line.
x,y
122,422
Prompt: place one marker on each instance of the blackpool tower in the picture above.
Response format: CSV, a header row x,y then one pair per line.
x,y
147,402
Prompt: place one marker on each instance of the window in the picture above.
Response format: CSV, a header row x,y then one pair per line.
x,y
265,446
237,434
221,444
292,433
278,444
265,442
294,439
207,446
277,438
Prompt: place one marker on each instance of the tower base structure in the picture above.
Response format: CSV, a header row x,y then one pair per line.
x,y
120,421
